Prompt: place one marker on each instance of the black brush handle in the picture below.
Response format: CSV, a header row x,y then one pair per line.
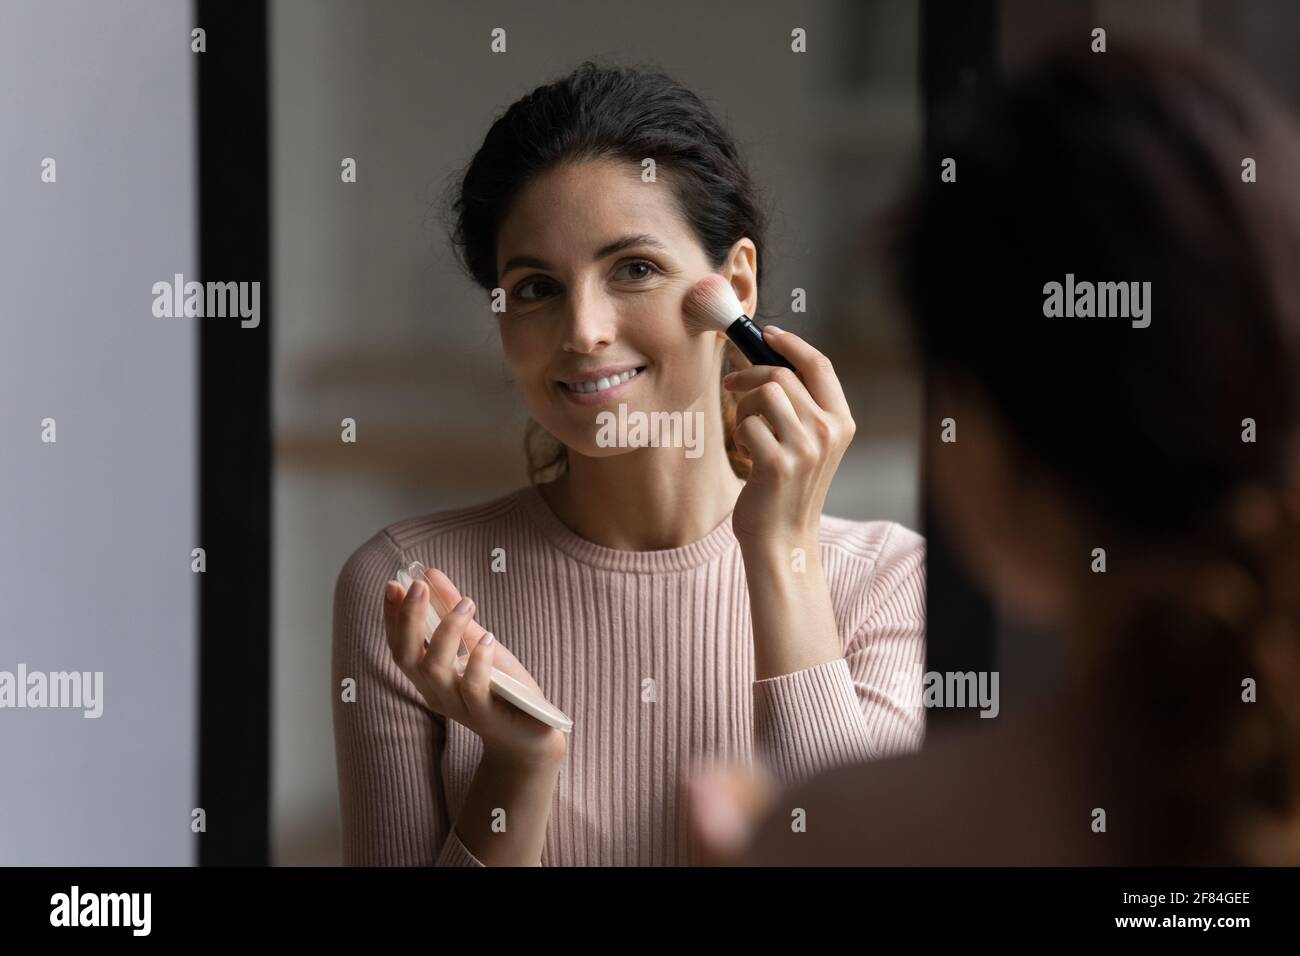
x,y
749,339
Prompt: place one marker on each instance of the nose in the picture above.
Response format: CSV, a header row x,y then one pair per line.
x,y
592,320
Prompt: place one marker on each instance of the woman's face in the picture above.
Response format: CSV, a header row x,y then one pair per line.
x,y
595,264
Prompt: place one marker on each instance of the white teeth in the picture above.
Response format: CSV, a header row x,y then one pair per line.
x,y
604,383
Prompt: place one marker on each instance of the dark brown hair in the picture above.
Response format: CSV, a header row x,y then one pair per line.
x,y
1128,166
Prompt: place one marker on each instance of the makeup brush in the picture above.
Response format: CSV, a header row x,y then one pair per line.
x,y
711,305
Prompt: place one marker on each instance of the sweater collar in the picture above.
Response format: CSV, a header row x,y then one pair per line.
x,y
721,539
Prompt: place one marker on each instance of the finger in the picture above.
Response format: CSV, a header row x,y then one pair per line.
x,y
815,369
445,643
756,440
771,401
743,379
754,789
410,626
446,597
446,594
720,826
475,685
735,799
392,597
507,663
749,379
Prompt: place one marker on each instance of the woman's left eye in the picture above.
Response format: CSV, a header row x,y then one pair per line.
x,y
640,269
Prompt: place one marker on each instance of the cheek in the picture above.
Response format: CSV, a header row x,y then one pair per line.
x,y
1011,577
651,318
522,349
653,323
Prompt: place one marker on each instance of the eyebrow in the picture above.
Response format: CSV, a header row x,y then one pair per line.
x,y
618,245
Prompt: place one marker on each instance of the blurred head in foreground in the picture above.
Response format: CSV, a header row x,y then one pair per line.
x,y
1167,439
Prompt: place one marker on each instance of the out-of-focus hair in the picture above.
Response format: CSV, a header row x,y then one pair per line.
x,y
1128,167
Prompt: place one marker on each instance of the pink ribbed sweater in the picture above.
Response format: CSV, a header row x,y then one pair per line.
x,y
591,624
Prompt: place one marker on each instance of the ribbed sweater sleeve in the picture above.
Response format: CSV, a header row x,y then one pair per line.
x,y
649,652
387,741
850,709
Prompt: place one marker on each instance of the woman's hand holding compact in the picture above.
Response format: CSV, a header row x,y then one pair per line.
x,y
795,427
508,733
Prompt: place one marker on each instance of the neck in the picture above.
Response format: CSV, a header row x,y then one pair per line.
x,y
648,499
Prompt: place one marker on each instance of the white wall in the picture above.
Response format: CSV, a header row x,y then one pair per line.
x,y
96,529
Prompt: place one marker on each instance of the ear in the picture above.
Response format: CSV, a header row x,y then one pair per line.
x,y
741,270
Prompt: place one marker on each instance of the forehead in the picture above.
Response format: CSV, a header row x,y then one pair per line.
x,y
571,210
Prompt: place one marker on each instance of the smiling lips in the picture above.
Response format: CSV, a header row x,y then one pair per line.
x,y
600,385
604,383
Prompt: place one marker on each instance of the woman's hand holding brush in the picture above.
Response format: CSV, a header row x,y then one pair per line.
x,y
795,427
792,420
793,423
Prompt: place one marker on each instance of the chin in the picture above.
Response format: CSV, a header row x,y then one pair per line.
x,y
595,451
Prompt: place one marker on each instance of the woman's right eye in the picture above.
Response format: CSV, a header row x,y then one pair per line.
x,y
522,294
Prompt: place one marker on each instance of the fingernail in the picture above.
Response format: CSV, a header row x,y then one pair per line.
x,y
463,607
774,330
388,592
488,638
417,590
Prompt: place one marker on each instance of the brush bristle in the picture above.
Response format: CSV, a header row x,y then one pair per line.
x,y
711,304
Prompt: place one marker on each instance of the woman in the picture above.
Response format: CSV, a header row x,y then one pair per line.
x,y
1128,482
682,605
